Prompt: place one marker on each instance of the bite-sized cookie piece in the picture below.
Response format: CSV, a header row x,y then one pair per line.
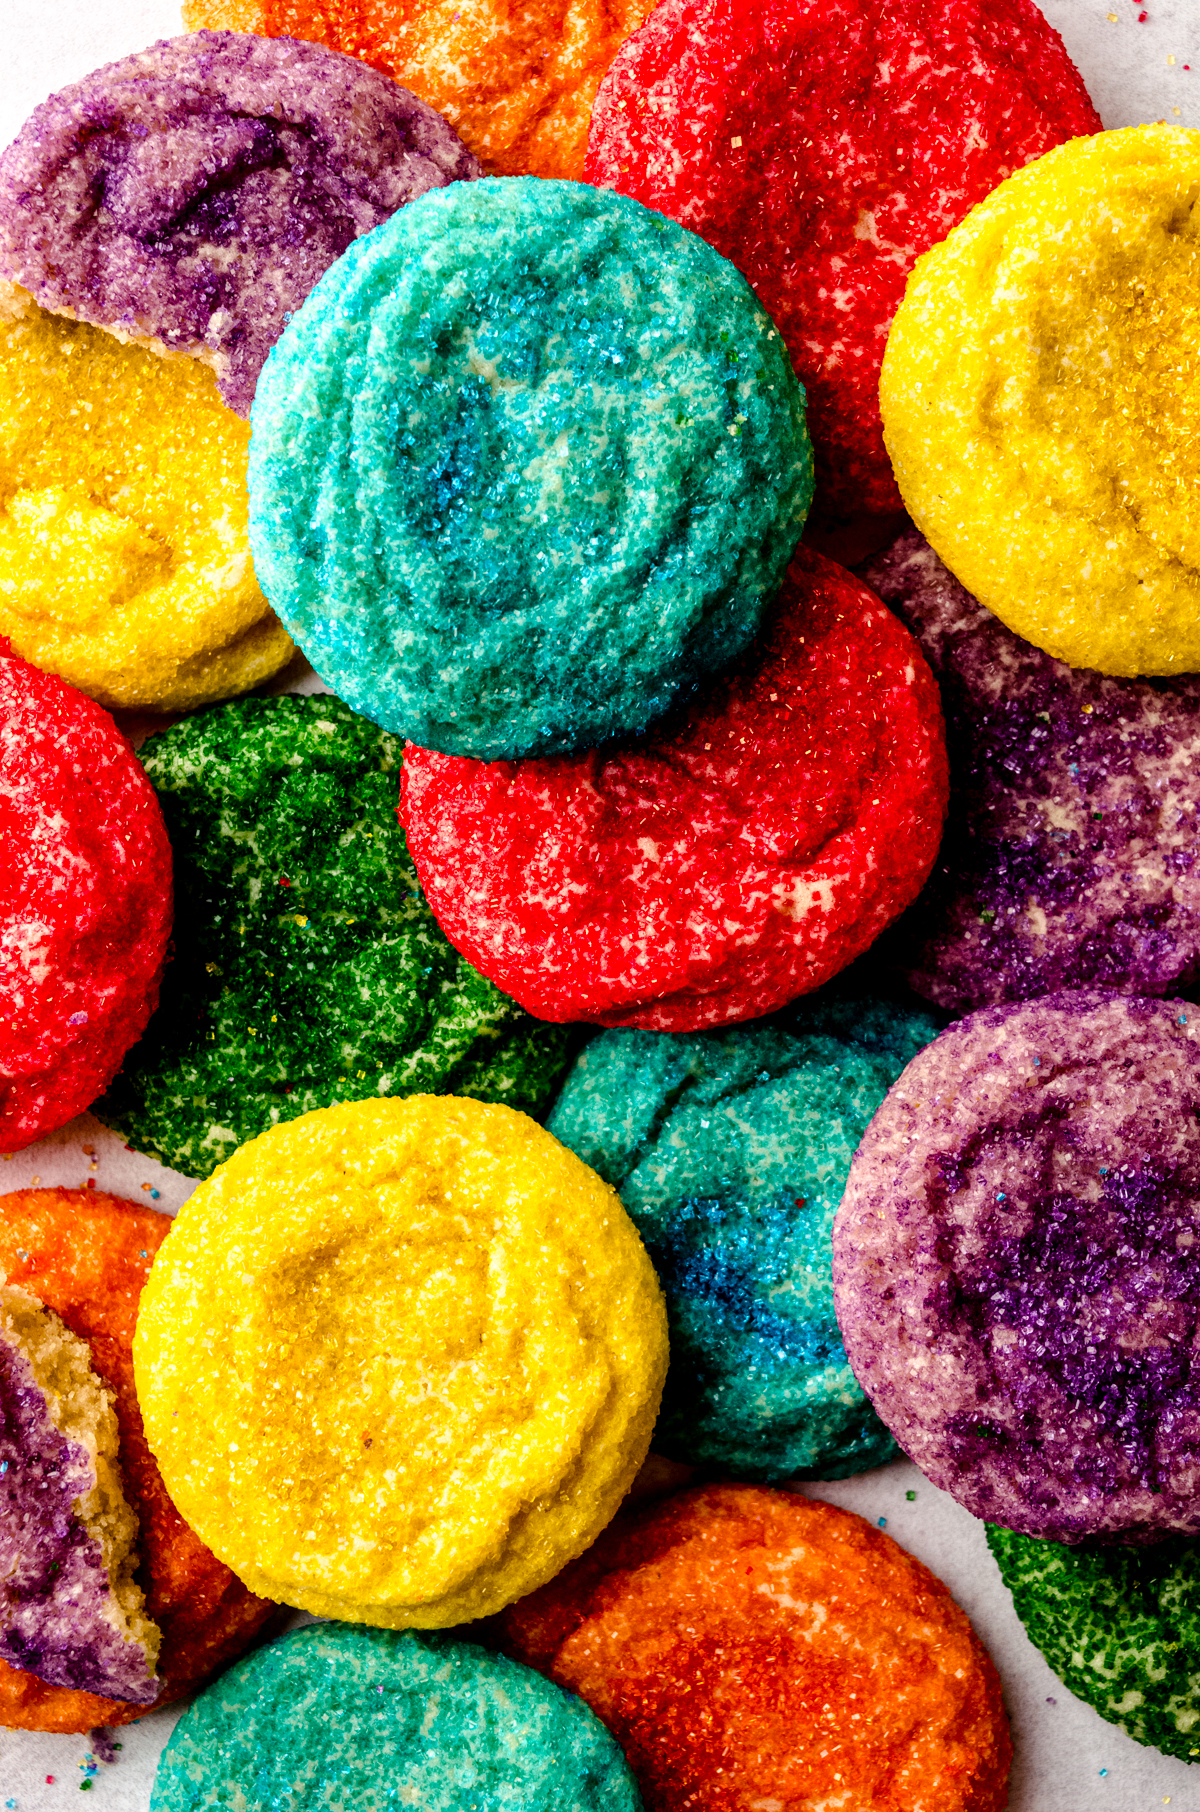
x,y
85,901
307,966
191,195
400,1360
1071,836
1119,1626
730,1151
750,1647
70,1611
516,78
455,1726
1039,395
821,148
124,556
1013,1265
85,1256
735,858
528,464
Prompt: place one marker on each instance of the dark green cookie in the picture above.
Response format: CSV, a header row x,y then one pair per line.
x,y
1119,1625
308,967
334,1718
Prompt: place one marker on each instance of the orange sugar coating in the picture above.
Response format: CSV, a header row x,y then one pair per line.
x,y
753,1648
515,78
86,1256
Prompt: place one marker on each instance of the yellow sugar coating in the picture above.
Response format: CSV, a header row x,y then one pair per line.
x,y
124,556
400,1360
1041,401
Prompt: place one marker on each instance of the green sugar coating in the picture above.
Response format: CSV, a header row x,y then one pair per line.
x,y
730,1151
308,967
1119,1625
526,466
341,1719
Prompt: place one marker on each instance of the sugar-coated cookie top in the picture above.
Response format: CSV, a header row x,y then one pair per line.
x,y
530,461
193,193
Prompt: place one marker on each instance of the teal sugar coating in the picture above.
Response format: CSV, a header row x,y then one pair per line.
x,y
341,1719
730,1151
308,967
526,466
1119,1625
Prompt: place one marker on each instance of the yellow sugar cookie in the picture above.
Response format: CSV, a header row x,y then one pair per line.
x,y
1040,394
399,1360
124,560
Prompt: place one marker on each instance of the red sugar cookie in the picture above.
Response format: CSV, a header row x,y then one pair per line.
x,y
821,149
739,855
86,1256
750,1648
85,901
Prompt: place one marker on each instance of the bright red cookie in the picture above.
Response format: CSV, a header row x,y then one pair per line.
x,y
85,901
752,1648
86,1256
821,149
736,857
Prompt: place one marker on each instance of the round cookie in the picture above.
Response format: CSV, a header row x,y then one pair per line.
x,y
516,78
1067,860
308,968
1038,395
746,1645
526,466
730,1151
735,858
1119,1626
400,1360
459,1728
124,555
821,148
85,901
1013,1266
191,195
85,1256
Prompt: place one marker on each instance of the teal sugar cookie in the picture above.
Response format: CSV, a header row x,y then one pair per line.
x,y
334,1717
526,466
308,967
1119,1625
730,1151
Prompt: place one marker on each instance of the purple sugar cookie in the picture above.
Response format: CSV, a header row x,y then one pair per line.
x,y
69,1609
192,195
1070,853
1015,1266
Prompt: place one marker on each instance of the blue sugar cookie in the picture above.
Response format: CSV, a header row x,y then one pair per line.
x,y
526,466
334,1717
730,1151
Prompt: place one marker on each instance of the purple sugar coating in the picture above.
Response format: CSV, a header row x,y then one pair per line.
x,y
1015,1265
1070,853
53,1581
195,193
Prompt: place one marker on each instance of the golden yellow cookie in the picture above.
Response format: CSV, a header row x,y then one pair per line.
x,y
400,1360
124,559
1040,395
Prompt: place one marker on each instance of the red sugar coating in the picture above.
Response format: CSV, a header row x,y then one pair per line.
x,y
86,1256
752,1648
821,148
739,855
85,901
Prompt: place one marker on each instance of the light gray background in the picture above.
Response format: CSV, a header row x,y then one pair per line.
x,y
1068,1759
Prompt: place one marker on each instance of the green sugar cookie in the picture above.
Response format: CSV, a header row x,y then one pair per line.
x,y
1119,1625
308,967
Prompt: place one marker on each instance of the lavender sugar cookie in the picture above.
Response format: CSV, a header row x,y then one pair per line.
x,y
1014,1265
1069,858
191,195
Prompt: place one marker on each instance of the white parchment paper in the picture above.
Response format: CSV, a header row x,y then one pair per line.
x,y
1141,63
